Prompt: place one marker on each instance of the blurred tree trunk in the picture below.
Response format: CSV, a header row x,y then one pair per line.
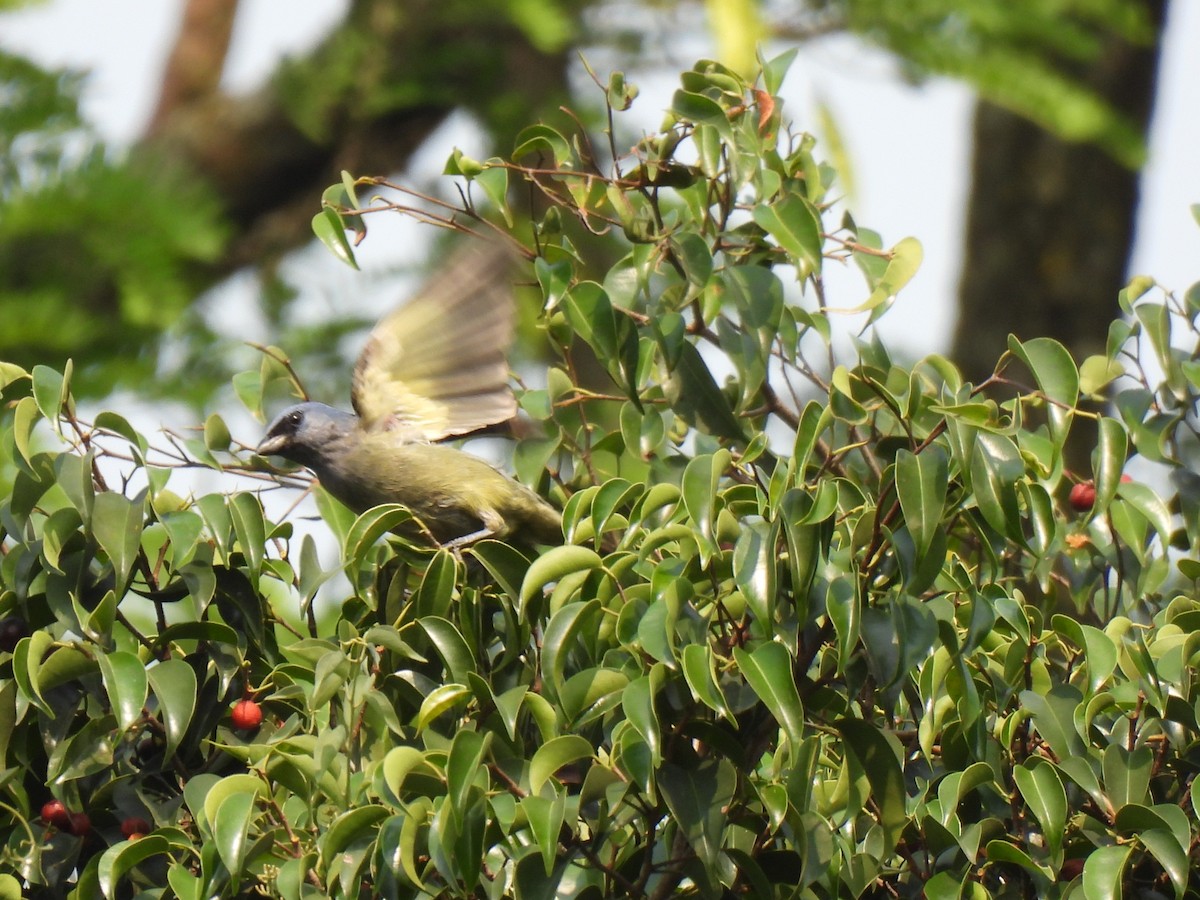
x,y
364,100
1050,224
197,59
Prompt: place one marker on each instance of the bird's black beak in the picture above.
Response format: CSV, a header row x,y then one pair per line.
x,y
272,445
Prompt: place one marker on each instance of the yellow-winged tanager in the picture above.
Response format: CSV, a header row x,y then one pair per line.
x,y
433,369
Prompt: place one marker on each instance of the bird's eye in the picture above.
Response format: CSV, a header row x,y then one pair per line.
x,y
296,417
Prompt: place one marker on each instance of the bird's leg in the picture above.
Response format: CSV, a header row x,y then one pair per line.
x,y
493,524
464,540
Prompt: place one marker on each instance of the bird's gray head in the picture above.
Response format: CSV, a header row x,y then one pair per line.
x,y
308,433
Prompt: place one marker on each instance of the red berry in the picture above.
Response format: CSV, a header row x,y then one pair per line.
x,y
247,715
1083,496
134,825
54,813
80,824
1126,479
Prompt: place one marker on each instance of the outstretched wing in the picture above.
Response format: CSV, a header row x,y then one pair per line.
x,y
438,366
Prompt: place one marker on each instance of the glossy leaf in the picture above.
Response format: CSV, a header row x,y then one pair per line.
x,y
117,524
637,701
126,682
174,684
231,825
120,859
768,671
327,226
877,758
921,484
796,225
554,755
556,564
699,799
1103,872
1043,792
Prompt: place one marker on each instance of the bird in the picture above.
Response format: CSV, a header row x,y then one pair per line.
x,y
434,368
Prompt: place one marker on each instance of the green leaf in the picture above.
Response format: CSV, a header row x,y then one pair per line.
x,y
702,110
592,692
768,671
329,677
1127,774
1108,461
921,484
216,433
451,646
695,396
370,527
117,525
560,639
537,138
695,257
1149,504
1104,872
441,699
700,675
494,181
1044,794
251,530
50,392
1004,852
1164,846
1098,372
1053,369
637,702
903,262
125,680
795,223
84,753
327,226
699,800
354,825
1054,718
754,567
467,750
996,467
1100,653
26,663
174,684
775,70
554,565
554,754
700,480
185,885
546,816
230,825
211,794
122,858
877,758
504,563
844,604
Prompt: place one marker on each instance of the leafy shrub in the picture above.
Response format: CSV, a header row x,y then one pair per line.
x,y
817,630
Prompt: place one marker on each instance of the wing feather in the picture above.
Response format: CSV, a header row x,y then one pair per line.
x,y
438,366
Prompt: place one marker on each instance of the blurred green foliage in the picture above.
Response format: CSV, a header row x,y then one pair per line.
x,y
1024,55
818,630
97,258
103,255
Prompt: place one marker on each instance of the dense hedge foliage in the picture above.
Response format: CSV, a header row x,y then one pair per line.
x,y
817,630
